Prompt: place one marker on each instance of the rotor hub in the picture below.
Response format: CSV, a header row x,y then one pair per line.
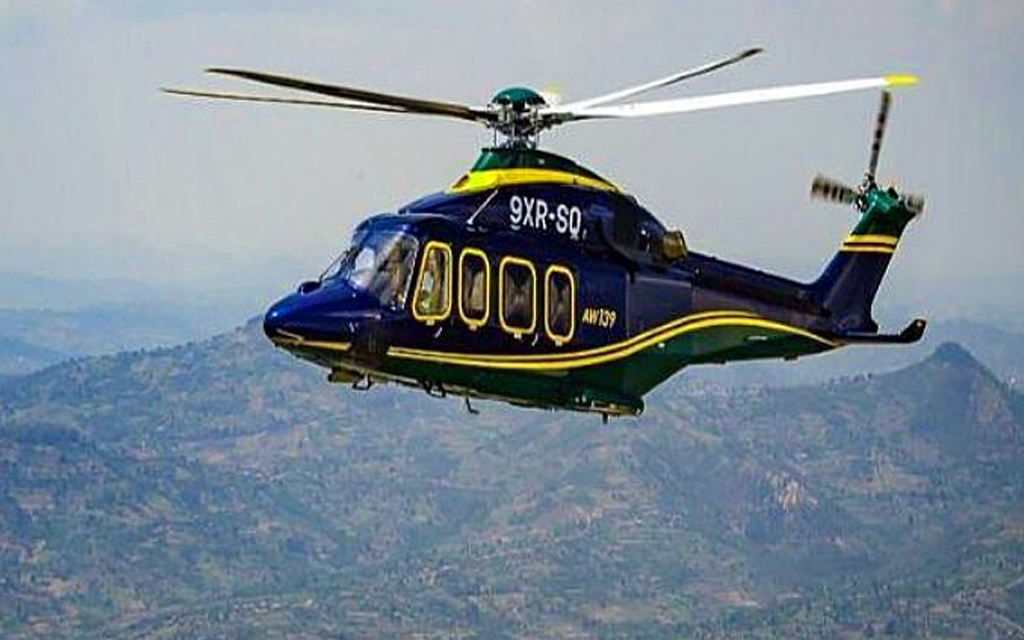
x,y
518,117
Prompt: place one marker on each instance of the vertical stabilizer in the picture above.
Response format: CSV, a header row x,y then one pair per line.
x,y
847,287
849,283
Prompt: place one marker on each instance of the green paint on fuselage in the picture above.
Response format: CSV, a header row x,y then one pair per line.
x,y
883,215
616,386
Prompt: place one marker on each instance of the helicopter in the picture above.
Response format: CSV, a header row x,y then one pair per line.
x,y
535,281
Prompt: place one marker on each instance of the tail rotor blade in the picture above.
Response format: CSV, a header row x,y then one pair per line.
x,y
828,189
876,143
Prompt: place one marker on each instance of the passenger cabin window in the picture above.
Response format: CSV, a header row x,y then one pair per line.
x,y
474,287
433,300
518,294
560,297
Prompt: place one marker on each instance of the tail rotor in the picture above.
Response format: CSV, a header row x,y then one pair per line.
x,y
824,188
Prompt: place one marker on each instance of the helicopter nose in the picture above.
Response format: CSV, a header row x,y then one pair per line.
x,y
318,316
274,321
287,318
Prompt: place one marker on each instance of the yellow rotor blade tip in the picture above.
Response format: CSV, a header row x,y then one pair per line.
x,y
896,80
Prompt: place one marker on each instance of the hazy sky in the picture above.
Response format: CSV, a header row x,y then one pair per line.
x,y
101,175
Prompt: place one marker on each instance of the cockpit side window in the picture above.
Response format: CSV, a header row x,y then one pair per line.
x,y
517,285
474,287
378,263
393,271
433,300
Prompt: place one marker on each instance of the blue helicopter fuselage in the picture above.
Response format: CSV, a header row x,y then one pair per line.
x,y
535,281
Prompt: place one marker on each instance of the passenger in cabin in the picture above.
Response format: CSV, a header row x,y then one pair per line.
x,y
432,294
559,319
476,294
389,282
519,298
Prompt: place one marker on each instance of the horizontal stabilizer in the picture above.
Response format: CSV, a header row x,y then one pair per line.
x,y
910,334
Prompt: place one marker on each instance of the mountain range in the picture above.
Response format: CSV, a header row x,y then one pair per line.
x,y
222,489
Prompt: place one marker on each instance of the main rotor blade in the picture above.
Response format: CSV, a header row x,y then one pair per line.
x,y
876,143
413,105
683,105
662,82
250,98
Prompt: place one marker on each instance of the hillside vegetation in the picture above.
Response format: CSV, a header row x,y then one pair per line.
x,y
222,489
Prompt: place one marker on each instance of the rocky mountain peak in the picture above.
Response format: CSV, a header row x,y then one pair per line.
x,y
954,354
957,399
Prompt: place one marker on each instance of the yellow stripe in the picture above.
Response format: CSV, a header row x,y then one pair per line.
x,y
318,344
866,249
873,239
557,357
479,180
897,80
610,353
587,357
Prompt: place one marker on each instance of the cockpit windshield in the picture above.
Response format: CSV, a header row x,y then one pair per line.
x,y
379,263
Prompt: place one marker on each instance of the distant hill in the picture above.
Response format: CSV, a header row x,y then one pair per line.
x,y
44,319
107,329
20,290
18,356
31,339
223,489
240,294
